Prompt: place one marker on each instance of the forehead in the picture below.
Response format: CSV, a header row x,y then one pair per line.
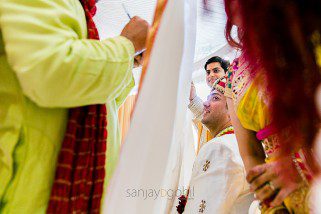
x,y
213,65
215,93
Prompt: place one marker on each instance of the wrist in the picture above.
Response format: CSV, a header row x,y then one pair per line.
x,y
127,43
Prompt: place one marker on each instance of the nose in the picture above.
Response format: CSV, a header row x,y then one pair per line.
x,y
212,74
206,104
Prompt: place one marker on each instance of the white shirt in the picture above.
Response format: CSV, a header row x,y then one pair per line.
x,y
218,183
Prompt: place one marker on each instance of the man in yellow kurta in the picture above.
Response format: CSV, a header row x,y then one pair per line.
x,y
47,66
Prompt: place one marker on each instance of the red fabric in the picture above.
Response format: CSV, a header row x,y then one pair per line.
x,y
80,173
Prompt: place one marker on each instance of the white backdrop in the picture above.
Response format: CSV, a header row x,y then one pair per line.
x,y
111,18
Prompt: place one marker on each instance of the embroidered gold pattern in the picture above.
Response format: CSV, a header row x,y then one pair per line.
x,y
202,206
270,145
206,165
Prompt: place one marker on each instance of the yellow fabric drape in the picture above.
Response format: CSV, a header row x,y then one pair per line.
x,y
124,115
208,136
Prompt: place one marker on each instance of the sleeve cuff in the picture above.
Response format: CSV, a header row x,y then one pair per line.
x,y
127,43
196,107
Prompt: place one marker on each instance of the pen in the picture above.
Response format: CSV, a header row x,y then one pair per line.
x,y
126,11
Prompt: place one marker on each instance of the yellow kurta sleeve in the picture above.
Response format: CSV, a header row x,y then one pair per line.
x,y
46,45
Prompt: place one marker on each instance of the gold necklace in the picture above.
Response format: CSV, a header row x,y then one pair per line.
x,y
228,130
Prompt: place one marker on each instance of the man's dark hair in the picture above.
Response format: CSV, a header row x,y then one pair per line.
x,y
224,64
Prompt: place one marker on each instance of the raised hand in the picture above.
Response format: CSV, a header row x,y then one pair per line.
x,y
136,30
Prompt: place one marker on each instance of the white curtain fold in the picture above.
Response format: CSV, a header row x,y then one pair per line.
x,y
149,169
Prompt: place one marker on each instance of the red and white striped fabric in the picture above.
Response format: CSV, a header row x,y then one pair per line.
x,y
80,173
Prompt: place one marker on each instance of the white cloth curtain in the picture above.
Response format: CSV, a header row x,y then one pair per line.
x,y
151,155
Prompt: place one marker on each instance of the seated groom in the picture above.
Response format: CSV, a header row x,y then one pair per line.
x,y
218,183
